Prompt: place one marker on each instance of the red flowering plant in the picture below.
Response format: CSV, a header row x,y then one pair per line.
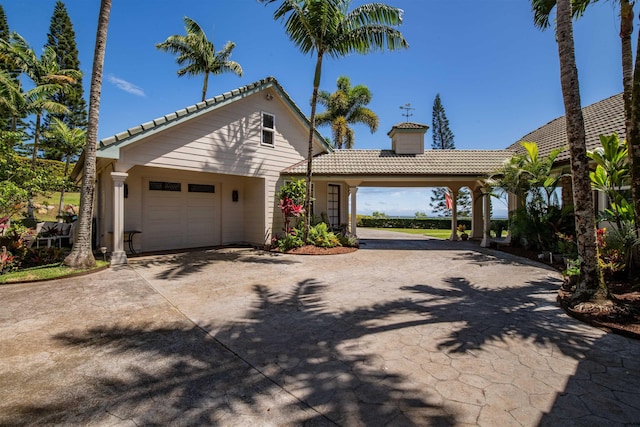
x,y
610,257
291,204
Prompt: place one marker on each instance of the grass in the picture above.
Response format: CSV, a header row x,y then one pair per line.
x,y
45,272
53,199
437,233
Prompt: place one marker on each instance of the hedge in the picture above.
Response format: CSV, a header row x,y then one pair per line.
x,y
423,223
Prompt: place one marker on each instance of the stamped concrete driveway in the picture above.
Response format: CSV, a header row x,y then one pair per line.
x,y
408,331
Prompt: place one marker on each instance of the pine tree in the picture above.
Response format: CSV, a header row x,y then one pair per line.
x,y
62,38
442,135
6,118
443,140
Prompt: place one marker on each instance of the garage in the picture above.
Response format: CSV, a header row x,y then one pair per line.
x,y
180,214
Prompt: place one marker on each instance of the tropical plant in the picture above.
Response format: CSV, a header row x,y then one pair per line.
x,y
630,81
199,54
346,106
539,216
589,286
610,176
70,142
327,27
319,235
81,255
47,76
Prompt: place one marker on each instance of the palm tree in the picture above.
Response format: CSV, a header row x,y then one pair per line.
x,y
630,82
199,54
346,106
326,27
68,143
589,286
46,75
81,254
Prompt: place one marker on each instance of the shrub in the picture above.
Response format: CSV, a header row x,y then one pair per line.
x,y
319,235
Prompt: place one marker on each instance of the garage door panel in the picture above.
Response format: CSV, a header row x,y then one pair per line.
x,y
175,220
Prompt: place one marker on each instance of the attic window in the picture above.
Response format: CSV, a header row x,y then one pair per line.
x,y
268,129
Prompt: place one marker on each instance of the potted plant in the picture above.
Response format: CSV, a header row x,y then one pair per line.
x,y
461,230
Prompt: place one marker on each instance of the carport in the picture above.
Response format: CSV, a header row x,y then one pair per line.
x,y
407,164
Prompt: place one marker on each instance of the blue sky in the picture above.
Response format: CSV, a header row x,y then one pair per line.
x,y
497,75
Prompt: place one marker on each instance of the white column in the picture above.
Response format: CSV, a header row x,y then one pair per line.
x,y
454,216
353,212
119,256
486,238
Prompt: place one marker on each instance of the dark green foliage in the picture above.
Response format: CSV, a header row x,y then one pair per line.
x,y
418,223
442,135
4,27
62,39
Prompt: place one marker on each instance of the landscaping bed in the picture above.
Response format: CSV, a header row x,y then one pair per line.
x,y
621,315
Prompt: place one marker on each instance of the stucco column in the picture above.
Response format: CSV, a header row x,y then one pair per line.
x,y
119,256
454,215
353,211
486,237
476,214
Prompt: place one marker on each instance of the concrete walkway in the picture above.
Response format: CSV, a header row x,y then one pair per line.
x,y
409,331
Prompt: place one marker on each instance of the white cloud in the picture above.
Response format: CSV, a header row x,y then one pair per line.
x,y
125,85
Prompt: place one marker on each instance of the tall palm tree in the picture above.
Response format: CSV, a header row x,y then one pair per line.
x,y
326,27
47,76
589,286
81,254
199,54
68,143
346,106
630,82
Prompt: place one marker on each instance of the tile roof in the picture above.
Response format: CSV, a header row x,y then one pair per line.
x,y
604,117
183,114
388,163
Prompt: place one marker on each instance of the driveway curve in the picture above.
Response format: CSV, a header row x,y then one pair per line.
x,y
406,331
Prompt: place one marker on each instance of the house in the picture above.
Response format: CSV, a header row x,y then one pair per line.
x,y
207,175
604,117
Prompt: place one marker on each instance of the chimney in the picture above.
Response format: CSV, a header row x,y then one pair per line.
x,y
408,138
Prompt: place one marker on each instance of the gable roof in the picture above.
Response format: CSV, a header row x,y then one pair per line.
x,y
602,118
388,163
109,147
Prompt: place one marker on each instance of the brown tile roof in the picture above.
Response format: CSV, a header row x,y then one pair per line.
x,y
387,162
604,117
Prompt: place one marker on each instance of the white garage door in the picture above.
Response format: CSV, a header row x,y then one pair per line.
x,y
180,215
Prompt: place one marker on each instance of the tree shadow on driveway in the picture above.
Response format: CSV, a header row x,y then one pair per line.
x,y
291,362
183,264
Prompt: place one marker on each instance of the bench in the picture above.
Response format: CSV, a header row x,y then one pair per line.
x,y
53,232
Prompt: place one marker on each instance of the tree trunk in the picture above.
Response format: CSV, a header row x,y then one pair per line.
x,y
62,190
312,120
82,255
633,132
205,84
590,283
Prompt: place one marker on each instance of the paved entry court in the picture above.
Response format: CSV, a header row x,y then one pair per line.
x,y
408,331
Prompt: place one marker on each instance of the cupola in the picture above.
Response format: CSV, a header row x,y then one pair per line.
x,y
408,138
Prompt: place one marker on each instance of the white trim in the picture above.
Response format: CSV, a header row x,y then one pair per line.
x,y
263,129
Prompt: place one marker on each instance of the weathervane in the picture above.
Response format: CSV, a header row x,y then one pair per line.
x,y
407,111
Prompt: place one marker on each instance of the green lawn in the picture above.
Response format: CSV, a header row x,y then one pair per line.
x,y
53,199
44,272
439,234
